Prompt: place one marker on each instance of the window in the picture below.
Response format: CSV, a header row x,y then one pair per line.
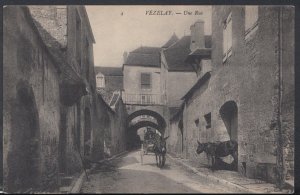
x,y
145,81
227,38
251,16
100,81
208,120
197,122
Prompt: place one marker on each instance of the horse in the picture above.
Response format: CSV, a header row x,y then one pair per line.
x,y
160,149
219,149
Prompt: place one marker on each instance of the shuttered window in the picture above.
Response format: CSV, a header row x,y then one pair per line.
x,y
145,81
227,38
251,16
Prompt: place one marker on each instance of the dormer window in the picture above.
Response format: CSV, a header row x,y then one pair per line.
x,y
100,79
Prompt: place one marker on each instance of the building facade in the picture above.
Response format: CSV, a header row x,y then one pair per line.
x,y
51,119
248,93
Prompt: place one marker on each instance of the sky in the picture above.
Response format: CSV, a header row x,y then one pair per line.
x,y
124,28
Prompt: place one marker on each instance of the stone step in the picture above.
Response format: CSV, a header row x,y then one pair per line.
x,y
66,181
65,189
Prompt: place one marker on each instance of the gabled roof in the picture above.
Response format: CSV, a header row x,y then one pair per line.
x,y
147,50
144,56
109,71
171,41
176,54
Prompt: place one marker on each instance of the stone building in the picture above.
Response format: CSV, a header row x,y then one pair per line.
x,y
109,82
174,71
246,94
177,77
142,91
51,111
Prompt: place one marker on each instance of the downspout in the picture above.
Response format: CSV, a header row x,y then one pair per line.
x,y
280,159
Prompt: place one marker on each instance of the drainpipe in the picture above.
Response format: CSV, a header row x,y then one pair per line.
x,y
280,159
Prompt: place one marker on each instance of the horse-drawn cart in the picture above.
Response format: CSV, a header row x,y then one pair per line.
x,y
156,145
147,146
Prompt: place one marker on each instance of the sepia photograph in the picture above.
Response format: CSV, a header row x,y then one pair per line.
x,y
148,99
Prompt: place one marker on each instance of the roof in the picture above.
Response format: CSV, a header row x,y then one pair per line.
x,y
171,41
147,50
176,54
144,56
198,84
200,53
109,71
105,94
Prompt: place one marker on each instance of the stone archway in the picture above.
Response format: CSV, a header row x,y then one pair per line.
x,y
160,120
24,158
229,115
159,124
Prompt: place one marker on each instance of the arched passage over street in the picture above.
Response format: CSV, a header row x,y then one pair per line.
x,y
142,124
160,120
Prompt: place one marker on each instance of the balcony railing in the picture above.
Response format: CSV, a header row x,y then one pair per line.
x,y
143,99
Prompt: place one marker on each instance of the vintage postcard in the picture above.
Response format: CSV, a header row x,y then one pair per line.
x,y
148,99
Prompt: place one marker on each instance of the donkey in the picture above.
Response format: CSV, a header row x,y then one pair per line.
x,y
160,149
219,149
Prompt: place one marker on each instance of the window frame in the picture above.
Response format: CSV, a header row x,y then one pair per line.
x,y
150,81
249,28
101,80
227,51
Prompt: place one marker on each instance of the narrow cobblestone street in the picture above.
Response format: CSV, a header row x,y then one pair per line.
x,y
126,174
207,88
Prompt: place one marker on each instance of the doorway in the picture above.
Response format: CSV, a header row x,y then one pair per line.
x,y
24,159
229,115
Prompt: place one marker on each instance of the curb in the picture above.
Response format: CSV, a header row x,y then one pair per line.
x,y
78,184
213,178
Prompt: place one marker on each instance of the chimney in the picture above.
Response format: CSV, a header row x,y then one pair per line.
x,y
125,56
197,35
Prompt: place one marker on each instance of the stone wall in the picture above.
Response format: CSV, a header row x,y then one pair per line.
x,y
118,124
113,123
288,85
41,131
248,79
31,106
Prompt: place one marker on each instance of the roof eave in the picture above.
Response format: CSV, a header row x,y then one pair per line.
x,y
198,54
